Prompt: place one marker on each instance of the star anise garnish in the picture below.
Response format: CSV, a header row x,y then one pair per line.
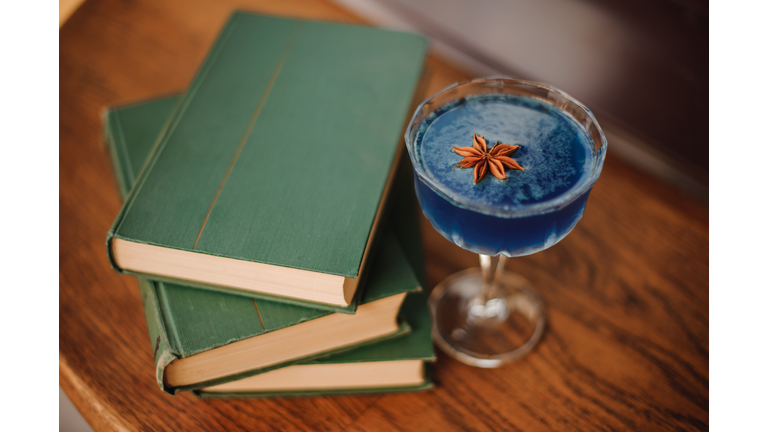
x,y
483,160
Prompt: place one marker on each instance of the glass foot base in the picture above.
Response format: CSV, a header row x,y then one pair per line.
x,y
489,333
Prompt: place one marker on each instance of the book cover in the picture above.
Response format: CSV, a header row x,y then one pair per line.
x,y
278,155
184,322
130,130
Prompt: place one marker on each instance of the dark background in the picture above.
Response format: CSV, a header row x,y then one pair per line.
x,y
641,66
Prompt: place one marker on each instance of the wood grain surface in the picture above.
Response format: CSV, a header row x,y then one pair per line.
x,y
627,347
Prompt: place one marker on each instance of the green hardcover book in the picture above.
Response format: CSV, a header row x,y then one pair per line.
x,y
269,178
193,330
205,338
397,364
130,132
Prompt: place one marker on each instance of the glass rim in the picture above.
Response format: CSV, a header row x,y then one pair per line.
x,y
525,209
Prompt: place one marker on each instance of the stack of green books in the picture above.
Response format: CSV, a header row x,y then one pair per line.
x,y
273,236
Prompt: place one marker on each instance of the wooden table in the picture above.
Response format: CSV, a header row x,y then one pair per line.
x,y
627,346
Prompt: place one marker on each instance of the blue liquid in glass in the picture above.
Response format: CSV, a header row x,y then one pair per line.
x,y
494,216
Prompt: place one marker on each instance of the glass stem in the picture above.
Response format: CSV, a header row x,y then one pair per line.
x,y
492,268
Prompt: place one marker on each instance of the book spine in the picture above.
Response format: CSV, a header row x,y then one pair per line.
x,y
170,125
163,352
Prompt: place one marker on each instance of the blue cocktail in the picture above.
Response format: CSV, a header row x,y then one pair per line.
x,y
503,167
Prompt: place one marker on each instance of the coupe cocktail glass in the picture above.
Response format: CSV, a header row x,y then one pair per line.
x,y
486,317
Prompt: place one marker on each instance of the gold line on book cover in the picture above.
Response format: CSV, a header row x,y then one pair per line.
x,y
259,314
288,48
